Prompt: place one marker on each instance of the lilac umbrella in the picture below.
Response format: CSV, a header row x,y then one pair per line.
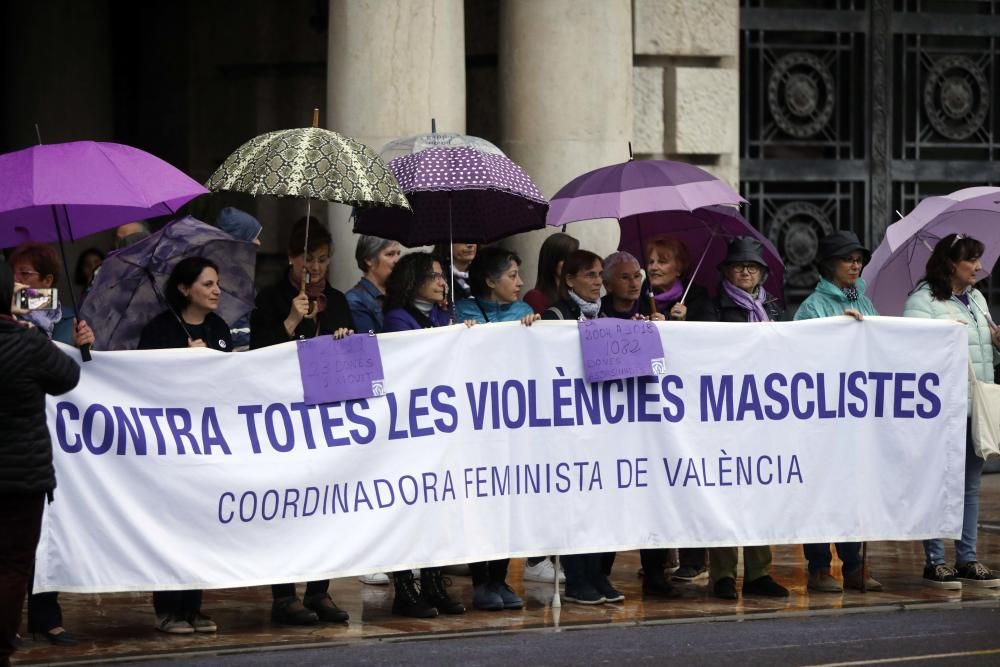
x,y
900,261
65,191
127,291
458,194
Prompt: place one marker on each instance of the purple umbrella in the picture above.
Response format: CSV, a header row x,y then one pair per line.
x,y
900,261
54,192
127,291
458,194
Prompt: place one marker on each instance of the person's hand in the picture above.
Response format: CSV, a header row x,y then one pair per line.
x,y
856,314
528,319
197,342
470,323
298,312
82,334
657,317
14,310
639,317
679,312
342,332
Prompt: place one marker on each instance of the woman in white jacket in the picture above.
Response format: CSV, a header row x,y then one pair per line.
x,y
948,292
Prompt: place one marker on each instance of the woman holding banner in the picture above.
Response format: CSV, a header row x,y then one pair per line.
x,y
841,291
948,292
742,298
414,292
551,257
192,295
302,305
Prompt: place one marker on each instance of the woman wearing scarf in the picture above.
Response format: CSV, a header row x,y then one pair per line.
x,y
841,291
413,294
948,292
742,298
302,305
623,284
455,259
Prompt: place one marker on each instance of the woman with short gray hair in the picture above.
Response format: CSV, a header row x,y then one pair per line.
x,y
376,258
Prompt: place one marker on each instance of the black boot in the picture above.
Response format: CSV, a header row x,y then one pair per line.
x,y
655,584
435,592
408,601
325,609
290,611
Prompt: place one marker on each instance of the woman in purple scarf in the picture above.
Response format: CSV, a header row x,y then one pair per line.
x,y
667,260
742,298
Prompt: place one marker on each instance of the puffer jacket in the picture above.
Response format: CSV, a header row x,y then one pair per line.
x,y
982,354
30,367
827,300
483,311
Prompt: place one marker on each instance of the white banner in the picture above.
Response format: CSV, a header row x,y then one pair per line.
x,y
195,469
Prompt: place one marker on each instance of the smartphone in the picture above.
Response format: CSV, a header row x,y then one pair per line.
x,y
38,299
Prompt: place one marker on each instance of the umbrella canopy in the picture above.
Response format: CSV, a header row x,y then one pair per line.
x,y
128,290
706,233
415,144
638,186
900,261
67,191
310,163
458,195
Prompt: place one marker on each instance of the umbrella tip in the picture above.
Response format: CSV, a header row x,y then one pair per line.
x,y
630,156
315,116
899,214
434,126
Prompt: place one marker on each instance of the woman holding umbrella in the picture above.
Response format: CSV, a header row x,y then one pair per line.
x,y
841,291
414,292
302,305
948,292
192,295
742,298
667,260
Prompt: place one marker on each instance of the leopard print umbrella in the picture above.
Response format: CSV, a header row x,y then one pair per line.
x,y
311,163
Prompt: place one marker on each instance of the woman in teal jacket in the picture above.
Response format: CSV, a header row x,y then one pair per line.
x,y
948,292
841,291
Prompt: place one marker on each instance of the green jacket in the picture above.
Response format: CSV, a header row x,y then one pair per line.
x,y
827,300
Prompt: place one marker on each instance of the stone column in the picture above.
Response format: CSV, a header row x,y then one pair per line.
x,y
565,100
392,65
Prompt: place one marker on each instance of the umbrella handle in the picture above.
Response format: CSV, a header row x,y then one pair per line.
x,y
85,352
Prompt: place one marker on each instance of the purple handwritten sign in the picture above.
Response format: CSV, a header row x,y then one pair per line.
x,y
340,370
615,349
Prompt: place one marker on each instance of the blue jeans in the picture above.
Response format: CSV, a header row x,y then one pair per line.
x,y
965,548
819,556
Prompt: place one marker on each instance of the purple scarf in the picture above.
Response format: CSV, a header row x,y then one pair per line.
x,y
753,306
670,295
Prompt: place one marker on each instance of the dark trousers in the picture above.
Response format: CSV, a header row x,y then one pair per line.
x,y
693,557
820,558
586,568
44,612
489,571
179,604
279,591
20,527
653,561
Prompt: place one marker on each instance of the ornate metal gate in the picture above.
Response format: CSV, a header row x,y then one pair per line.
x,y
854,110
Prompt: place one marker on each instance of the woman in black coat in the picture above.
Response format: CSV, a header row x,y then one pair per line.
x,y
30,367
302,305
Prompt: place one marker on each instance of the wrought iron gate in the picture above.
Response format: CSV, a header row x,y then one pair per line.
x,y
854,110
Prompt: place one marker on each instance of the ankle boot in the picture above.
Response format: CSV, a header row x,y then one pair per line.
x,y
435,592
408,601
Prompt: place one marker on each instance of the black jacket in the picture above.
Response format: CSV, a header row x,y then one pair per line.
x,y
726,309
267,323
31,366
700,308
564,309
164,331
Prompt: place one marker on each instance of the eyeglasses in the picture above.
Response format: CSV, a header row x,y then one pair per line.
x,y
437,275
25,274
752,269
853,260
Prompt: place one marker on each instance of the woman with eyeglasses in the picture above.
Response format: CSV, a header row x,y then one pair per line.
x,y
742,298
841,291
948,292
413,296
302,305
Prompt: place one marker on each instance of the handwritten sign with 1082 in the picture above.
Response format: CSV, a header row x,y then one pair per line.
x,y
614,349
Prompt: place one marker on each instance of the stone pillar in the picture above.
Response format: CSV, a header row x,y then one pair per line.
x,y
392,65
565,100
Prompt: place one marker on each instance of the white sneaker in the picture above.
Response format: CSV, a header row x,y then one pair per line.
x,y
377,579
544,572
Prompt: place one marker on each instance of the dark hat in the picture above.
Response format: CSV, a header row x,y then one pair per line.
x,y
239,224
841,244
744,249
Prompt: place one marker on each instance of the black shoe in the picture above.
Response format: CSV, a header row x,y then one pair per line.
x,y
976,574
659,587
765,586
290,611
690,572
434,589
941,576
725,588
408,601
325,609
582,593
63,638
610,593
